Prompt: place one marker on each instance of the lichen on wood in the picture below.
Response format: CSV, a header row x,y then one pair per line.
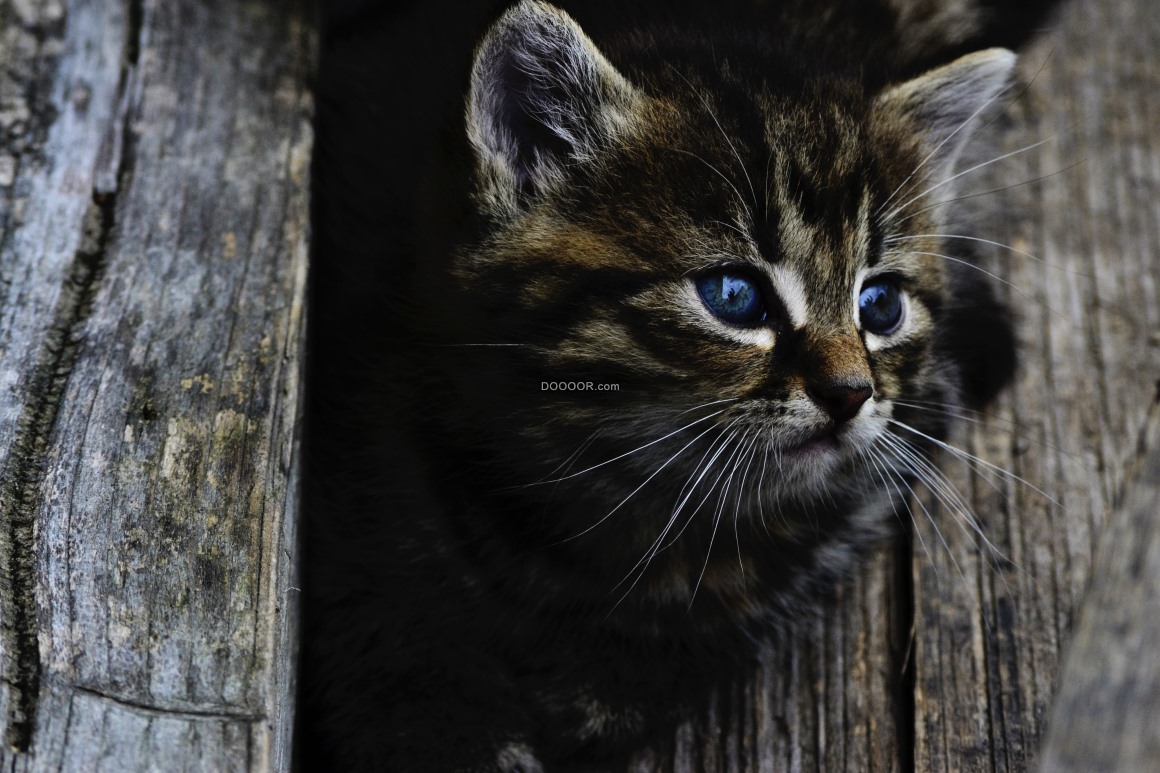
x,y
153,249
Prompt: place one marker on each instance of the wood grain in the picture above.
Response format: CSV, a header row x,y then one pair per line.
x,y
153,239
1083,258
1107,714
825,701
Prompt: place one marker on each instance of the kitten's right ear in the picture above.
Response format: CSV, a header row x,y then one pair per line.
x,y
541,95
942,103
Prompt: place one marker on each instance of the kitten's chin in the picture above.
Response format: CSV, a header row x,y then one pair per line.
x,y
824,443
811,463
820,443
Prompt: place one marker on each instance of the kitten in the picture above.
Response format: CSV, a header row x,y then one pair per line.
x,y
618,397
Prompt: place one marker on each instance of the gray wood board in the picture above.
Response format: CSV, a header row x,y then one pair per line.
x,y
955,667
1107,714
1080,271
154,162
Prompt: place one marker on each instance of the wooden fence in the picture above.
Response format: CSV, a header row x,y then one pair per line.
x,y
154,159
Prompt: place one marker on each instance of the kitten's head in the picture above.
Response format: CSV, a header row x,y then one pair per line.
x,y
739,243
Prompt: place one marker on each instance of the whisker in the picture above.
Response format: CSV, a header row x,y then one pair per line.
x,y
934,524
982,419
890,216
938,147
945,491
706,405
761,488
718,512
971,457
566,465
942,489
983,474
740,198
943,202
734,228
994,276
705,498
709,109
751,453
767,162
1022,92
652,550
626,453
713,449
631,494
991,242
885,477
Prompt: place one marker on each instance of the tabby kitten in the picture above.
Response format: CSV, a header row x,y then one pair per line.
x,y
640,359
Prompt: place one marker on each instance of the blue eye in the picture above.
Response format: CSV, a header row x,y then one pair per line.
x,y
880,307
732,297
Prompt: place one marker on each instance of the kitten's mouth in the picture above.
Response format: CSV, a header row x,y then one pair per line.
x,y
818,442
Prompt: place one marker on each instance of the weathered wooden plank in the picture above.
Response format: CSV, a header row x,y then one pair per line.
x,y
825,700
55,116
86,732
1106,715
992,623
154,324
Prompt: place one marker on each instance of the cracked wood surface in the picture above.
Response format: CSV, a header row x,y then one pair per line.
x,y
947,656
154,161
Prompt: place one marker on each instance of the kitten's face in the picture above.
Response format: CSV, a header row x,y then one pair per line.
x,y
746,261
779,299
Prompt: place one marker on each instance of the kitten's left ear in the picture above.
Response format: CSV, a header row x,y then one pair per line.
x,y
940,104
541,95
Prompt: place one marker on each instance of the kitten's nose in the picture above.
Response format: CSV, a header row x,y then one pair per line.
x,y
841,400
